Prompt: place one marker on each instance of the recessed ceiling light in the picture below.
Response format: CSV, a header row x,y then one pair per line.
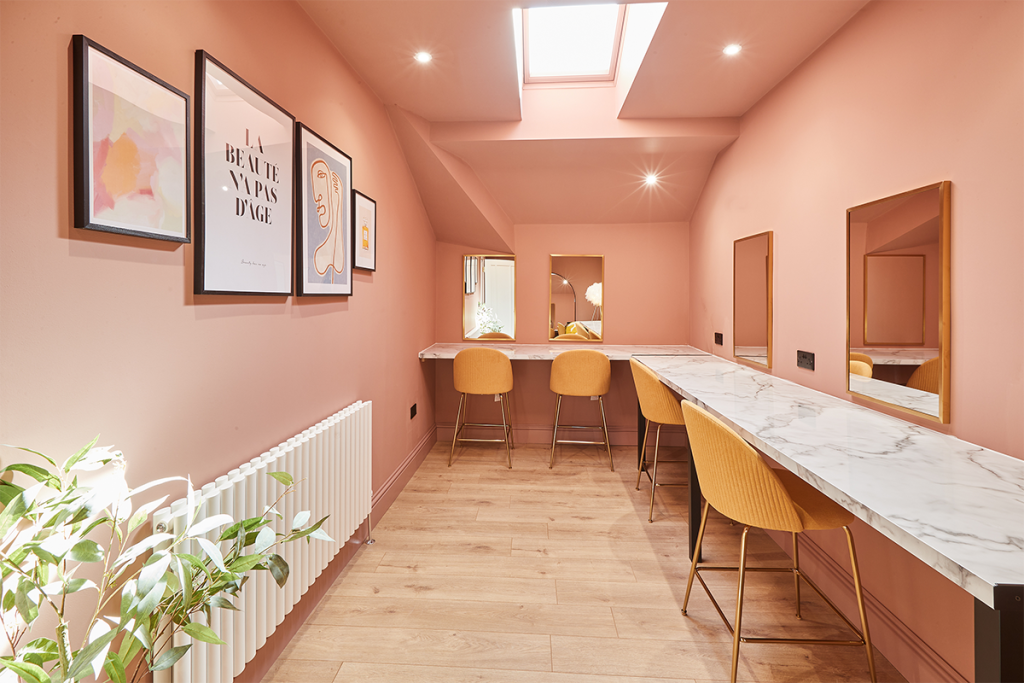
x,y
733,49
651,179
423,57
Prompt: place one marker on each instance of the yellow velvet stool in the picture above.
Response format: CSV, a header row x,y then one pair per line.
x,y
483,371
658,404
863,358
582,372
927,377
861,368
739,484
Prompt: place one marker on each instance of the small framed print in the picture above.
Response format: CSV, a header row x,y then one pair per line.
x,y
245,153
324,186
131,147
365,233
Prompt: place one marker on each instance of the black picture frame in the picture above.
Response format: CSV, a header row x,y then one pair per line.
x,y
323,182
138,184
364,232
244,186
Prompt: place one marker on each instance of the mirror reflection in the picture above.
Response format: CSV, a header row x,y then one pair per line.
x,y
752,299
489,297
576,303
898,307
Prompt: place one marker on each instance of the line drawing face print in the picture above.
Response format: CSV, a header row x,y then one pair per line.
x,y
328,191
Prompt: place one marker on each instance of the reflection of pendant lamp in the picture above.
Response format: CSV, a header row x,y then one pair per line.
x,y
565,281
595,295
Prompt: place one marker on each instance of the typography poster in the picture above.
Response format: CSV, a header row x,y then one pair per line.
x,y
244,186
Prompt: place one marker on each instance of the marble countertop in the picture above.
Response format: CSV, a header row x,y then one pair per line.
x,y
955,505
898,356
549,351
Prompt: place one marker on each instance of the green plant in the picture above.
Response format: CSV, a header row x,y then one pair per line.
x,y
487,320
147,590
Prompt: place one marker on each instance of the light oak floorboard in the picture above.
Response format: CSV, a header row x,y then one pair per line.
x,y
484,575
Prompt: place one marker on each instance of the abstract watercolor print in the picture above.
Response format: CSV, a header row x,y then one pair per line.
x,y
136,141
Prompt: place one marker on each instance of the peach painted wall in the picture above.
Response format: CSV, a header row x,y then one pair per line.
x,y
901,97
646,301
101,333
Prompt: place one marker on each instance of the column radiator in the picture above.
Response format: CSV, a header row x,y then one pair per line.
x,y
331,465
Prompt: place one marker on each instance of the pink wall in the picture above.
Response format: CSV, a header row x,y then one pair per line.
x,y
646,301
101,333
901,97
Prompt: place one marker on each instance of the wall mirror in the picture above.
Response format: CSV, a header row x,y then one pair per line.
x,y
489,297
898,301
752,299
576,304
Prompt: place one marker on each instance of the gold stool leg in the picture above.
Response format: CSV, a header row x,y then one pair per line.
x,y
511,435
505,429
796,571
643,458
456,437
607,440
654,473
696,554
554,437
739,605
860,603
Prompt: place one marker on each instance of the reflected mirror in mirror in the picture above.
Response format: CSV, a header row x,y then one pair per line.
x,y
489,297
576,304
898,305
752,299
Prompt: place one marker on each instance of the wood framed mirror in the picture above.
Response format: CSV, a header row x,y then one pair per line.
x,y
752,299
488,297
576,300
898,301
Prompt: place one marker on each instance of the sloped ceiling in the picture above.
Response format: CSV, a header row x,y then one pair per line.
x,y
488,153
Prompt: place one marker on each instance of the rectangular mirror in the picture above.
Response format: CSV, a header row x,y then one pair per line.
x,y
752,299
489,297
898,301
576,303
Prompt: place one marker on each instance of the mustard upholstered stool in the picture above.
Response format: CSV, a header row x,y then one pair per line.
x,y
863,358
657,405
737,482
927,377
858,367
582,372
483,371
494,335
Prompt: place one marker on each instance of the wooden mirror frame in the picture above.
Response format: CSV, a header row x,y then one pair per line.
x,y
551,302
944,321
769,274
471,286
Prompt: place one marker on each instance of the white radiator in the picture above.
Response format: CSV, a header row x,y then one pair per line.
x,y
331,465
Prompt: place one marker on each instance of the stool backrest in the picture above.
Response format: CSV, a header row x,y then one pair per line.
x,y
863,358
733,477
482,371
861,368
581,372
657,402
928,377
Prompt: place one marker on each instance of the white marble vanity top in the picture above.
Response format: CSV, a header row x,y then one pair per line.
x,y
549,351
898,356
955,505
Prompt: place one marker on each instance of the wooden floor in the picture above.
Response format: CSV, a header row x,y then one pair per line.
x,y
482,574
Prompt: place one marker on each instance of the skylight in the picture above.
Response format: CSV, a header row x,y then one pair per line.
x,y
577,43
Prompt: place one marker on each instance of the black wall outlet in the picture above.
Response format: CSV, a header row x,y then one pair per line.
x,y
718,338
412,411
805,359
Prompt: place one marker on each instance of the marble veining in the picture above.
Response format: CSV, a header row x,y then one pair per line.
x,y
549,351
898,356
955,505
915,399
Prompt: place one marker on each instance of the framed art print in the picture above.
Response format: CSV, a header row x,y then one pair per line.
x,y
131,147
365,245
245,151
324,185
